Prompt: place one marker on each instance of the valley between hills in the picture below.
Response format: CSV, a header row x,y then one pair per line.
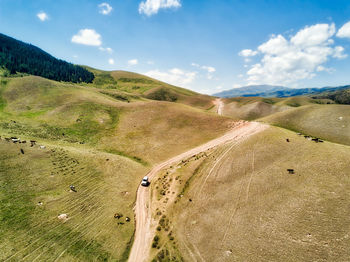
x,y
231,179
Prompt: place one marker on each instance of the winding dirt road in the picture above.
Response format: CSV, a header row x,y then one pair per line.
x,y
144,233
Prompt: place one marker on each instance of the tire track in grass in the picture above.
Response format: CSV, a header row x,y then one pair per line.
x,y
85,224
77,206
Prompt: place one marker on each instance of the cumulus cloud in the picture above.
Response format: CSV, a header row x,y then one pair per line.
x,y
209,69
133,62
151,7
105,8
42,16
106,49
174,76
248,52
286,61
111,61
344,31
87,37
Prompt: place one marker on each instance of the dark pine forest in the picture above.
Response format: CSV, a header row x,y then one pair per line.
x,y
19,57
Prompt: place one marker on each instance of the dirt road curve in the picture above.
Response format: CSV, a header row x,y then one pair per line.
x,y
144,232
219,106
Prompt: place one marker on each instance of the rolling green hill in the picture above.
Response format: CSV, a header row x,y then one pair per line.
x,y
102,141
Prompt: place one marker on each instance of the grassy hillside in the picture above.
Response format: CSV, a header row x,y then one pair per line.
x,y
252,108
35,191
102,141
238,202
146,87
142,129
330,122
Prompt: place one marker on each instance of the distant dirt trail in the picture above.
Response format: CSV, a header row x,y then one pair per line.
x,y
143,233
219,106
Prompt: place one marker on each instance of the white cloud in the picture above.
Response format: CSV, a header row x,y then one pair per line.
x,y
247,52
236,86
105,8
151,7
339,52
344,31
313,35
286,62
106,49
111,61
42,16
209,69
150,62
133,62
174,76
87,37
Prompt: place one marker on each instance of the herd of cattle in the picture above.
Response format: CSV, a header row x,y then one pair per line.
x,y
16,140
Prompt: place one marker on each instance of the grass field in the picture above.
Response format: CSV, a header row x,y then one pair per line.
x,y
330,122
238,203
31,231
252,108
101,140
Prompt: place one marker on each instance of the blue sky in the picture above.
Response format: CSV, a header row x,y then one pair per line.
x,y
207,46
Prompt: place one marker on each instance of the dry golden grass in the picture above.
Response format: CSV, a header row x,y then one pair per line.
x,y
246,207
330,122
155,131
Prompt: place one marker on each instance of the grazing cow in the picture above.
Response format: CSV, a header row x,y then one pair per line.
x,y
290,171
287,140
118,215
72,188
315,139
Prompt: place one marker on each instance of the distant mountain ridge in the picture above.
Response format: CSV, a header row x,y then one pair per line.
x,y
17,56
274,91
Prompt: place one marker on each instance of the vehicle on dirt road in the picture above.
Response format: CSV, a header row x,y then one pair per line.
x,y
145,181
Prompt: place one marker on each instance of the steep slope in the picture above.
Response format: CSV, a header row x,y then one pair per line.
x,y
16,56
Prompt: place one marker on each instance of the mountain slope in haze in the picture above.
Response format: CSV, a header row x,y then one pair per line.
x,y
17,56
274,91
339,96
250,90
